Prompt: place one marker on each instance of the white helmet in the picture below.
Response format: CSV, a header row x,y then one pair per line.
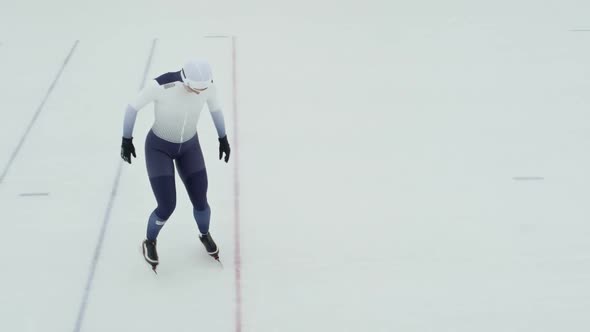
x,y
196,74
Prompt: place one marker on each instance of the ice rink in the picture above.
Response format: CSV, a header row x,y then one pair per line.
x,y
396,166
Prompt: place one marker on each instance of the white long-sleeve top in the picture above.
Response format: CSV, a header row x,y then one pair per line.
x,y
177,110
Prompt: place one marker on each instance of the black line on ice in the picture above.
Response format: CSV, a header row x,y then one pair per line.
x,y
107,217
36,115
528,178
33,194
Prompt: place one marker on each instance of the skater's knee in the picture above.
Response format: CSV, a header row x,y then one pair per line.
x,y
197,189
164,211
165,192
201,204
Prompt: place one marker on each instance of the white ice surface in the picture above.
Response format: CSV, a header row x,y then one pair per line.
x,y
378,145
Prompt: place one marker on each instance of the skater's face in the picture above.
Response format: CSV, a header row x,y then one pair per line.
x,y
193,90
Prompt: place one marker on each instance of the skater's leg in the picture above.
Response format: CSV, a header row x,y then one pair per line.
x,y
165,191
196,187
160,168
191,168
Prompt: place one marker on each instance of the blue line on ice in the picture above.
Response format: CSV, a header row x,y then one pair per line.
x,y
36,115
107,216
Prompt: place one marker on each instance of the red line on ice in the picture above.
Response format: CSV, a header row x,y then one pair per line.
x,y
237,253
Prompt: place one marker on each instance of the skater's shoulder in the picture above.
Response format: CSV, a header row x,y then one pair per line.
x,y
168,78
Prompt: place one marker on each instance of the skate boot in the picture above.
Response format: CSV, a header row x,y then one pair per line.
x,y
150,253
210,245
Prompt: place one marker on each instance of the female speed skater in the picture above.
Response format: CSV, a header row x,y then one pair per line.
x,y
178,100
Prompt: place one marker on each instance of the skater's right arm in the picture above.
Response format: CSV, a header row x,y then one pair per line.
x,y
145,96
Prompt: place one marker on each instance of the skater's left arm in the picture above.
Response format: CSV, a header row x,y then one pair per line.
x,y
217,115
216,112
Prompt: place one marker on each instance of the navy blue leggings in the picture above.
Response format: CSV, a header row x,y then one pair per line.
x,y
160,156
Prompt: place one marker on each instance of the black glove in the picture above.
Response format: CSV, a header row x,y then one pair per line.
x,y
224,147
127,149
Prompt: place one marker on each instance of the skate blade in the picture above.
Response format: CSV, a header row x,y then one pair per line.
x,y
153,266
216,258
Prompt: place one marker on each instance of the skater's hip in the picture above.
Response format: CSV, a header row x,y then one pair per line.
x,y
173,149
177,135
